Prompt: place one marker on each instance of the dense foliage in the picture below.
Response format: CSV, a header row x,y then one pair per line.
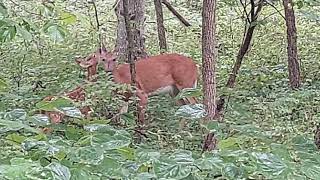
x,y
267,131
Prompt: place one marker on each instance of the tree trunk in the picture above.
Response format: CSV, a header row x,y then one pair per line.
x,y
245,44
134,43
252,20
210,142
209,57
293,62
138,18
121,41
136,12
160,26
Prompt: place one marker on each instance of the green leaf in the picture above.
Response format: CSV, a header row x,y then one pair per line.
x,y
59,171
20,168
7,125
230,143
269,164
77,173
40,120
25,34
56,33
193,111
210,162
179,165
312,171
73,133
7,33
145,176
189,92
231,171
301,143
101,128
88,155
3,85
281,151
16,138
16,114
54,105
68,18
3,10
145,155
72,112
28,144
212,126
127,153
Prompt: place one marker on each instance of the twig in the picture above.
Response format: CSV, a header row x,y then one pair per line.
x,y
276,9
245,10
182,19
97,23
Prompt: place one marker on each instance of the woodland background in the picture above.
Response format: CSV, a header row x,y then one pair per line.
x,y
267,131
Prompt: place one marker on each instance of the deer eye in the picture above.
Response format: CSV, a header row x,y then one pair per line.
x,y
113,60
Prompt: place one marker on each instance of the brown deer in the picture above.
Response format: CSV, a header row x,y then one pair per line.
x,y
77,95
165,73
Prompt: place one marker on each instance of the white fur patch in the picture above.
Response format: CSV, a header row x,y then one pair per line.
x,y
163,90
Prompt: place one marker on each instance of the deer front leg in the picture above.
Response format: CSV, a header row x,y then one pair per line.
x,y
143,101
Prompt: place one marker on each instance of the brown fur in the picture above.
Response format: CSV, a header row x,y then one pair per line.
x,y
154,73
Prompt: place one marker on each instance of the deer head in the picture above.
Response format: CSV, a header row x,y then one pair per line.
x,y
101,55
109,60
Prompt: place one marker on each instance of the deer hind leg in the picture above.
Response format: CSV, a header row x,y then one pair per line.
x,y
143,101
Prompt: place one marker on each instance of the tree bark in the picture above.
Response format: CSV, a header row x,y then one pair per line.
x,y
133,54
160,26
209,57
121,41
293,62
210,142
129,39
136,13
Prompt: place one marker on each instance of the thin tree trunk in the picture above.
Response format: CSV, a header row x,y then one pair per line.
x,y
241,53
136,11
210,142
121,41
252,19
160,26
138,18
209,57
130,51
133,54
293,62
245,44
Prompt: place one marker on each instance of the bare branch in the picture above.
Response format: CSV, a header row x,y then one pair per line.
x,y
274,7
171,8
245,11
